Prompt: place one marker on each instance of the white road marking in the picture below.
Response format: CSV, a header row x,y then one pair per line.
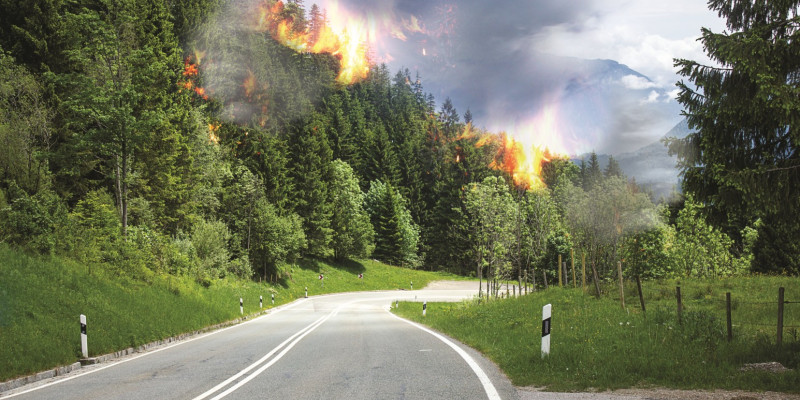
x,y
305,331
488,387
114,364
226,382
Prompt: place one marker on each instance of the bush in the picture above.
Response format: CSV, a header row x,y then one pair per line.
x,y
210,241
31,221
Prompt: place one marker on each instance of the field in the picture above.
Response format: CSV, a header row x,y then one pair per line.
x,y
41,299
597,345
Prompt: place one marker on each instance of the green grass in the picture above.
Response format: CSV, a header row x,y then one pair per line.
x,y
41,299
598,345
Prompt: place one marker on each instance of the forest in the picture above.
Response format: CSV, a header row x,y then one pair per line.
x,y
147,137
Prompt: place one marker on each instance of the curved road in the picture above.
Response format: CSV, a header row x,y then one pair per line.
x,y
345,346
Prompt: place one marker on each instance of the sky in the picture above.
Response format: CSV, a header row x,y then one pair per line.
x,y
521,66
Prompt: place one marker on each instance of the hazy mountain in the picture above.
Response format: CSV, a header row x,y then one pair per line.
x,y
651,165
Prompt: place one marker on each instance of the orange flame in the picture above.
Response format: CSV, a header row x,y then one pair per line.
x,y
249,84
524,168
348,45
212,133
190,75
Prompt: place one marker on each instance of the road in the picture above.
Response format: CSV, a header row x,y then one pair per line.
x,y
344,346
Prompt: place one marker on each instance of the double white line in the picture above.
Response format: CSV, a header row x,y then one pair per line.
x,y
286,346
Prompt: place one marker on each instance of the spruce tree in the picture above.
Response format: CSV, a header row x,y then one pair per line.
x,y
743,158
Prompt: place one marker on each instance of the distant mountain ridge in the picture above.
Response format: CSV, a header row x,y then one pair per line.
x,y
651,166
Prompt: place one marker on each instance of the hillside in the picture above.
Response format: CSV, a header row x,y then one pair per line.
x,y
41,299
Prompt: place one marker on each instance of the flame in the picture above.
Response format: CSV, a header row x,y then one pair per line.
x,y
524,167
348,44
190,75
212,133
249,84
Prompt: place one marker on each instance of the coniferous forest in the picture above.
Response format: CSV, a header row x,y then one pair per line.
x,y
159,137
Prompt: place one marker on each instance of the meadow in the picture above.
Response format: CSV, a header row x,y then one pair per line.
x,y
598,345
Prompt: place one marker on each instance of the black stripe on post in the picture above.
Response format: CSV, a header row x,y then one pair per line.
x,y
83,329
545,327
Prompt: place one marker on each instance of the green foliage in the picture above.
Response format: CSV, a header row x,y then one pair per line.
x,y
603,217
701,249
210,243
540,220
42,297
31,221
493,214
310,173
92,234
742,160
353,235
276,238
25,128
596,345
396,235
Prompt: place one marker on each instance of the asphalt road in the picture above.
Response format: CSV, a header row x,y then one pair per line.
x,y
345,346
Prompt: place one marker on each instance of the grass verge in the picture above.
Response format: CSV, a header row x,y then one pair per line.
x,y
41,299
597,345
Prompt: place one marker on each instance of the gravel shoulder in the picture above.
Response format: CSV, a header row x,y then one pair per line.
x,y
533,393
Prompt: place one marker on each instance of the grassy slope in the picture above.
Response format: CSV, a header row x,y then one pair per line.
x,y
597,344
41,299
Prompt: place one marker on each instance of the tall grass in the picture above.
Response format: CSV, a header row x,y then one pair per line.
x,y
598,345
41,299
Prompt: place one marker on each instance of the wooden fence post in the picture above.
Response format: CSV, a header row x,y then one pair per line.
x,y
728,315
572,261
780,316
621,287
641,296
596,280
680,305
544,274
583,265
559,271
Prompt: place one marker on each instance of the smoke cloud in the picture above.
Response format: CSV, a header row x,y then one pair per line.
x,y
496,58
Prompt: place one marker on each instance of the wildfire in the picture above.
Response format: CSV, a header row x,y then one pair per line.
x,y
190,74
523,165
347,44
212,133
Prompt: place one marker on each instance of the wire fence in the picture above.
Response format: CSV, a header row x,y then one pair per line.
x,y
748,318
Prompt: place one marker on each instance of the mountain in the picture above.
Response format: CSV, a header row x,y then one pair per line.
x,y
651,166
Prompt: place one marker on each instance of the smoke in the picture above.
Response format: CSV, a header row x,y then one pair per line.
x,y
486,56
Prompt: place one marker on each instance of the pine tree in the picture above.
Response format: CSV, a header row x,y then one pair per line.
x,y
593,175
613,168
310,173
744,155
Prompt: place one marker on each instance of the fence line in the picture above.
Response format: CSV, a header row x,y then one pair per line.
x,y
779,325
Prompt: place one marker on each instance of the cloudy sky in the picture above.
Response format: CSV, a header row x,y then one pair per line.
x,y
521,66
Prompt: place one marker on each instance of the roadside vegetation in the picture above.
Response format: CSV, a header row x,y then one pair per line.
x,y
597,345
157,171
42,297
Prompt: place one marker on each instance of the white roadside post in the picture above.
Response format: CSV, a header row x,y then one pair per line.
x,y
260,301
273,299
412,285
84,344
306,291
396,303
241,306
546,315
424,307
